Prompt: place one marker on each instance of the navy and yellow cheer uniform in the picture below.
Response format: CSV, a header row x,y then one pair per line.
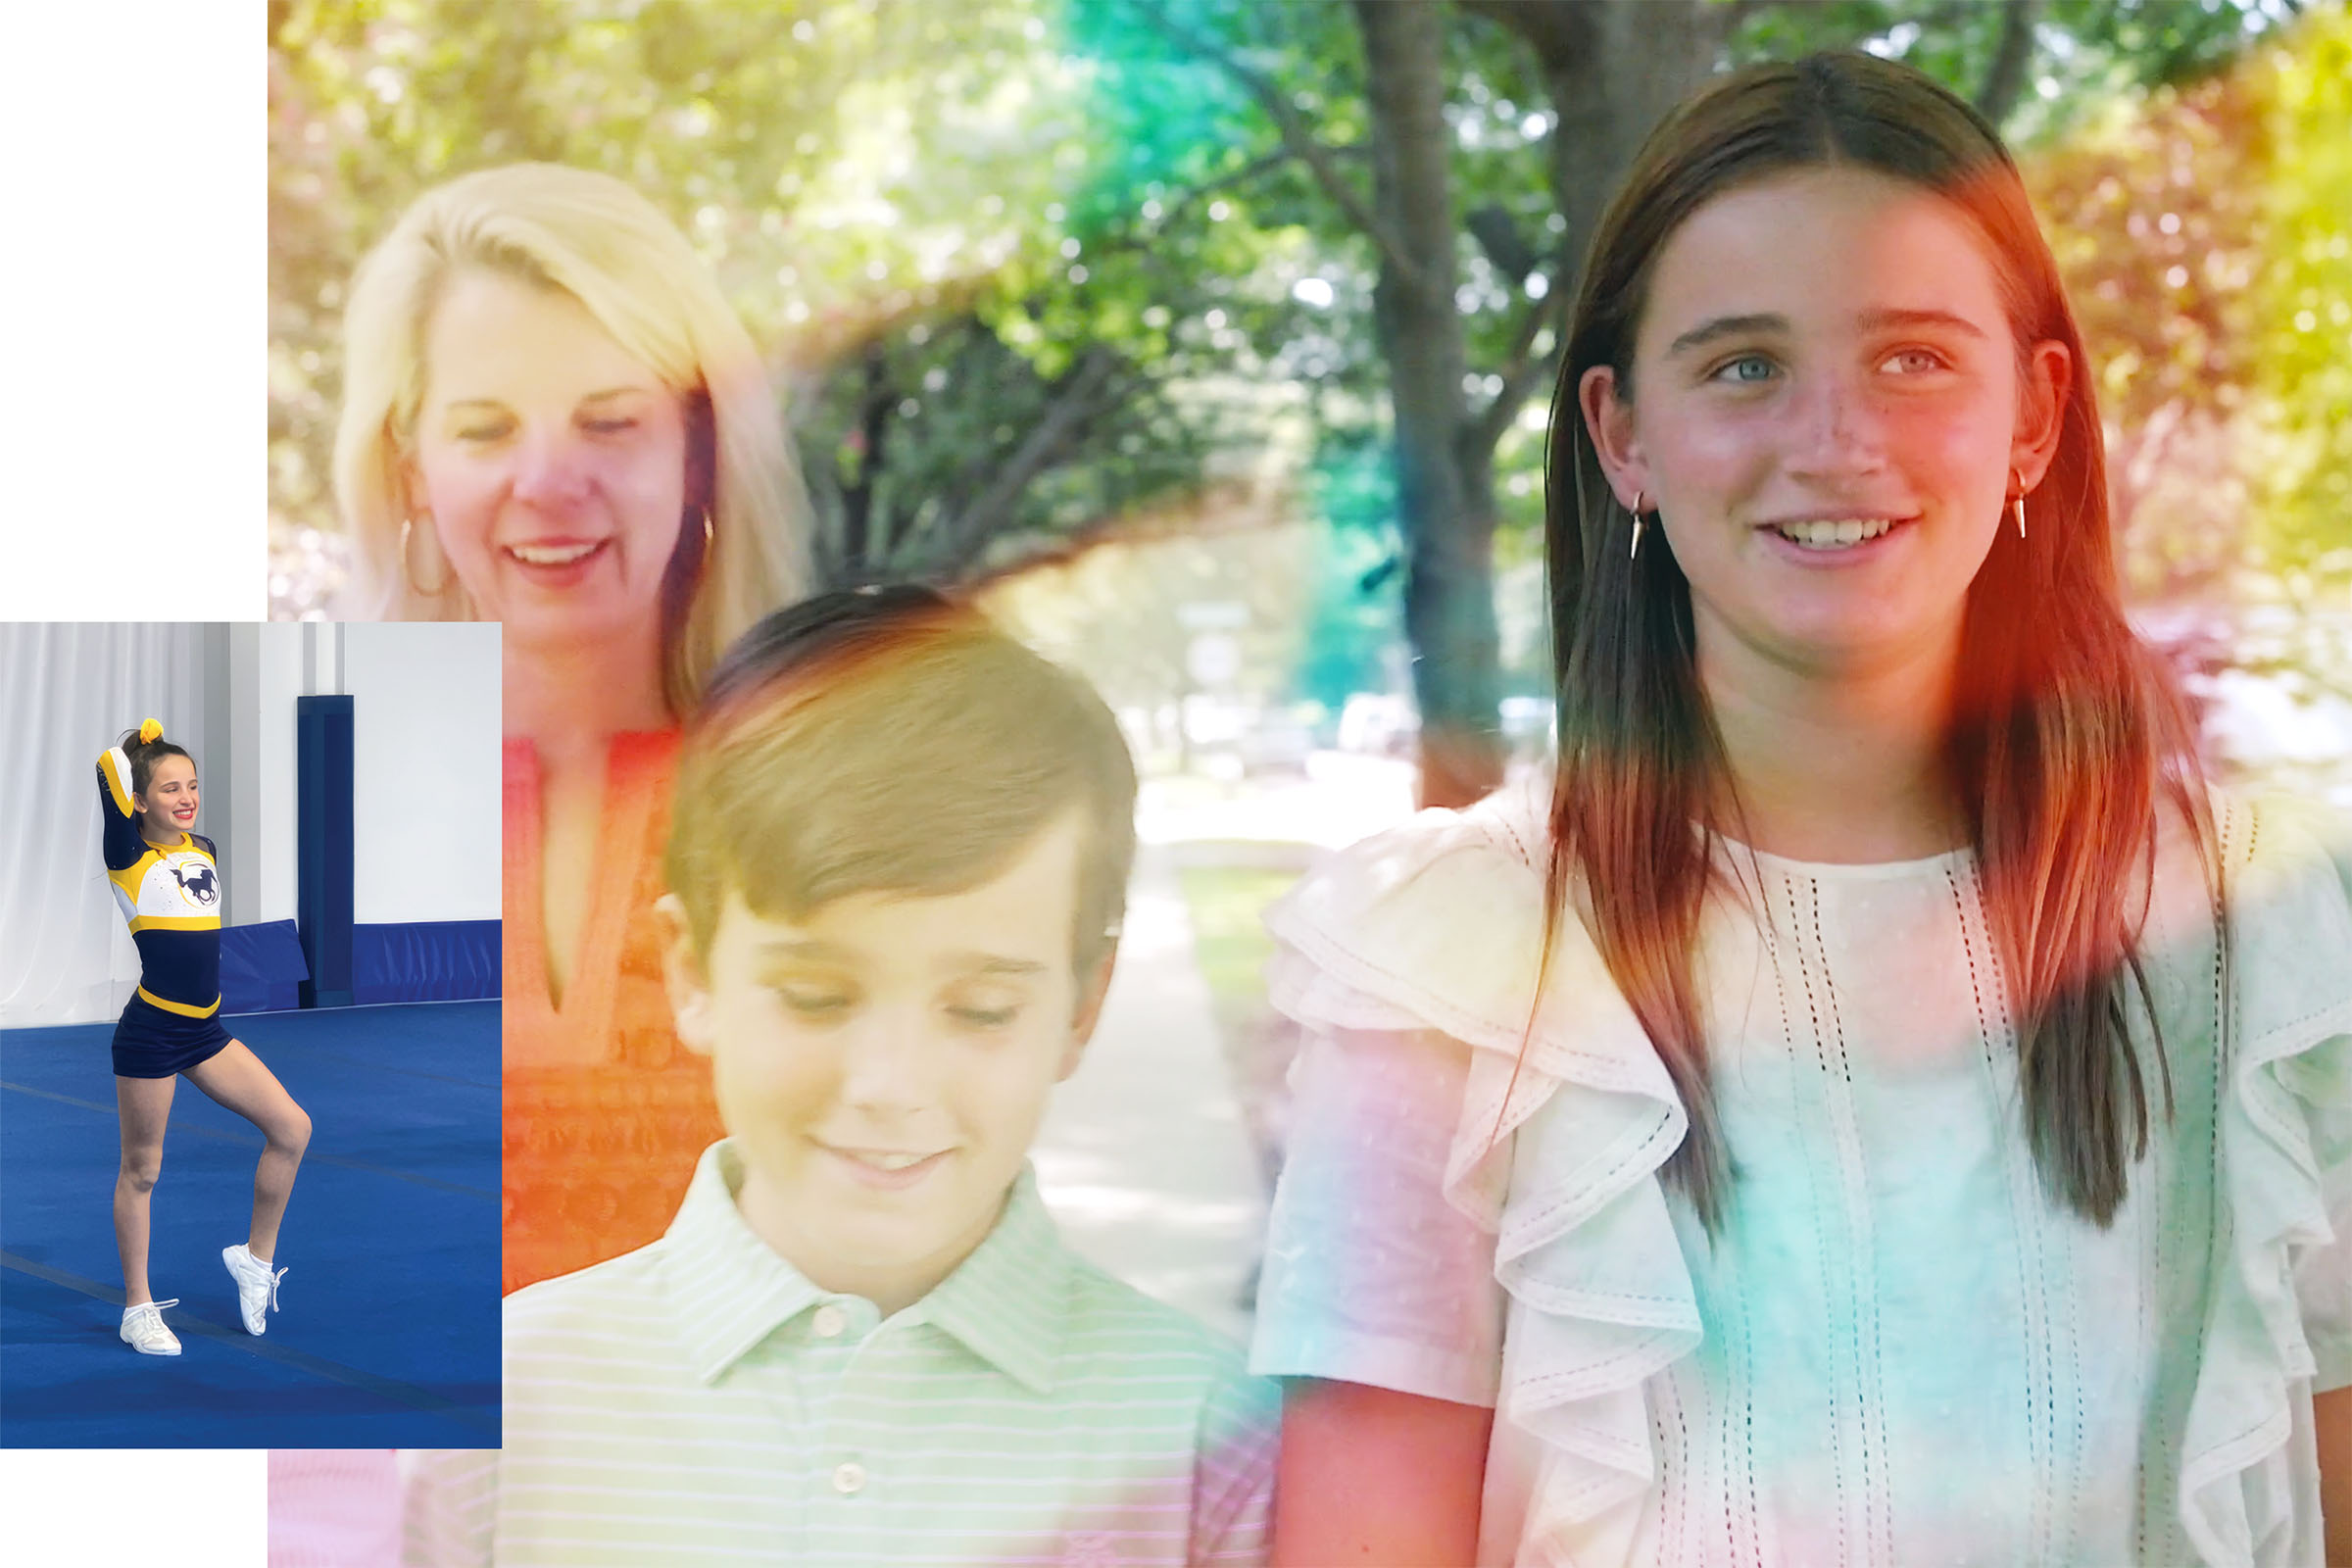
x,y
171,899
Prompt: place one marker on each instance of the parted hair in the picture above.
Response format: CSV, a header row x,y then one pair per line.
x,y
892,740
2069,738
596,239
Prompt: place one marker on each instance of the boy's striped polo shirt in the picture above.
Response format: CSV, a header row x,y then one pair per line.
x,y
700,1401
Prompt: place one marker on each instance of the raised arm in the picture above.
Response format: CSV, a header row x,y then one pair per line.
x,y
121,839
1374,1476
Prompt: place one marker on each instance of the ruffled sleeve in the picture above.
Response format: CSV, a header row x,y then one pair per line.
x,y
2280,1312
1436,928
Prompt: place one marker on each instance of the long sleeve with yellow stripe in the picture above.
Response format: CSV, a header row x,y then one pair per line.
x,y
171,897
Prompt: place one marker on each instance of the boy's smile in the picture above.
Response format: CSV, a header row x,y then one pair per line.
x,y
883,1063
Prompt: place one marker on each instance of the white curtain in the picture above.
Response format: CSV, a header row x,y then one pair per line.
x,y
67,693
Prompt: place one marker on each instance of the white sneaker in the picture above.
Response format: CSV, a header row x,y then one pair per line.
x,y
144,1332
257,1286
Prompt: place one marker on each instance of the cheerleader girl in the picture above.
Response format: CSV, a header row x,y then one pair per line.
x,y
1883,1107
167,880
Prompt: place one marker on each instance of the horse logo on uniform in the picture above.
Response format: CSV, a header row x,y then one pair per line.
x,y
200,885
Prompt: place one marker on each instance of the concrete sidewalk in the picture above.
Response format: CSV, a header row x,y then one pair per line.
x,y
1143,1160
1146,1159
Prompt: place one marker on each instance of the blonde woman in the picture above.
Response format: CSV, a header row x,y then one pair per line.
x,y
553,419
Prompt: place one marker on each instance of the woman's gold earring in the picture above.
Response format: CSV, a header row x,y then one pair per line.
x,y
407,525
1634,553
2021,515
705,530
2017,502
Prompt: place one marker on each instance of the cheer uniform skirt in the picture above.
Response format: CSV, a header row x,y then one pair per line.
x,y
153,1042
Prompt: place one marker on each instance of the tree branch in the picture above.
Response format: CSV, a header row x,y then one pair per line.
x,y
1192,195
1214,509
2007,76
1137,236
1522,369
1077,396
1296,135
862,528
1552,30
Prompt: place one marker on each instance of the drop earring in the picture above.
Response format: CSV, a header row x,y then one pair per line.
x,y
2018,504
1635,552
407,525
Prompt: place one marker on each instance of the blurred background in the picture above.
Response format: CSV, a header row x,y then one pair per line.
x,y
1097,307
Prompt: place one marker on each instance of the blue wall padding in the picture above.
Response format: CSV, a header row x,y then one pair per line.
x,y
261,969
425,960
322,846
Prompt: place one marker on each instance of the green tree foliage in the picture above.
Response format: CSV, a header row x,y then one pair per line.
x,y
1030,270
2302,307
2203,231
881,191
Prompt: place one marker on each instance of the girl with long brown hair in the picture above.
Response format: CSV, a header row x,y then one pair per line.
x,y
1887,1107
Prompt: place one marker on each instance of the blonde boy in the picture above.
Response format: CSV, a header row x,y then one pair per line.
x,y
897,862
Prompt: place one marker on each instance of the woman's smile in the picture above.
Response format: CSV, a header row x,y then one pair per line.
x,y
553,463
556,563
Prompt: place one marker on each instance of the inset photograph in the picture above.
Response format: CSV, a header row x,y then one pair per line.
x,y
259,862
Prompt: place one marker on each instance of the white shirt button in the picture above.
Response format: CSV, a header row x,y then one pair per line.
x,y
829,1321
850,1477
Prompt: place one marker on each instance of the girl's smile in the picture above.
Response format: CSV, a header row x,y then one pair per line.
x,y
1828,441
168,804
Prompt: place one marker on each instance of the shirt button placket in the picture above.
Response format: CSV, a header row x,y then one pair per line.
x,y
842,1335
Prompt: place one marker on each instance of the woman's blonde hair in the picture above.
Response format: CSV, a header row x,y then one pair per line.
x,y
598,241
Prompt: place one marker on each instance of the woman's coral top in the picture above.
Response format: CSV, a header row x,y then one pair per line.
x,y
604,1112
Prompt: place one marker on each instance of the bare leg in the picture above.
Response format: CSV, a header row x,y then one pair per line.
x,y
146,1106
236,1078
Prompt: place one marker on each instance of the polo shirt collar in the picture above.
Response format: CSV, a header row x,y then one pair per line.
x,y
1007,1304
729,1289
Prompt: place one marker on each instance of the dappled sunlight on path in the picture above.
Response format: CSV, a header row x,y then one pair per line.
x,y
1143,1158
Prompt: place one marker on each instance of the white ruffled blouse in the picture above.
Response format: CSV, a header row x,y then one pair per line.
x,y
1899,1350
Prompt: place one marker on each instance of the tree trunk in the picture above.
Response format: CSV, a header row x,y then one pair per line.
x,y
1450,565
2010,60
1612,70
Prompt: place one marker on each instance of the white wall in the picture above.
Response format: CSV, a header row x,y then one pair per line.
x,y
67,692
425,797
425,800
266,676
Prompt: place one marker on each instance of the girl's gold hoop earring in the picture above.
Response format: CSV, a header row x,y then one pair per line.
x,y
1635,552
407,525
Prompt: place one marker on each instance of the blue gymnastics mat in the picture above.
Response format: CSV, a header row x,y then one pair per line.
x,y
388,1333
